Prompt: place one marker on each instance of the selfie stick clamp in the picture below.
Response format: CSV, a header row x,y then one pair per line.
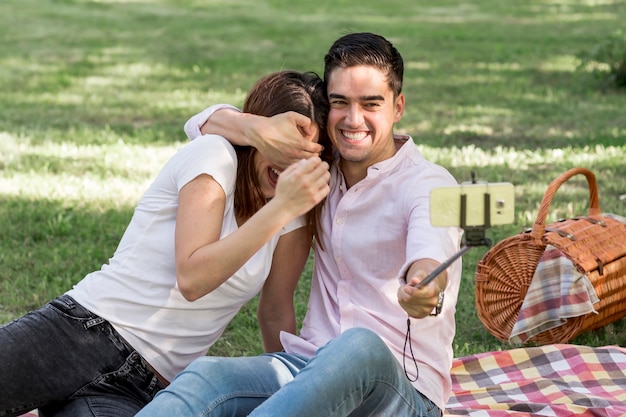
x,y
473,235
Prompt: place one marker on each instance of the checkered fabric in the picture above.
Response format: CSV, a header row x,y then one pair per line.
x,y
551,380
557,292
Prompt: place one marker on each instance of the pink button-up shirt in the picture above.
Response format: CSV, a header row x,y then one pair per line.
x,y
371,234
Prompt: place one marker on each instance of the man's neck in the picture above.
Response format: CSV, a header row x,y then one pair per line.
x,y
353,172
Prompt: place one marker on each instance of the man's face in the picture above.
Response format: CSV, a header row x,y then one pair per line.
x,y
362,114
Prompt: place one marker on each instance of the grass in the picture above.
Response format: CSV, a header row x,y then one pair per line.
x,y
94,95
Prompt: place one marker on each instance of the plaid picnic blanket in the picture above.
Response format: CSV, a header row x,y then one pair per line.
x,y
551,380
557,291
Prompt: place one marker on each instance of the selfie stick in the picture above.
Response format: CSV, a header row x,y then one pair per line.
x,y
473,236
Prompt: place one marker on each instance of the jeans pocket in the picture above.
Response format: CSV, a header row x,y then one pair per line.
x,y
67,307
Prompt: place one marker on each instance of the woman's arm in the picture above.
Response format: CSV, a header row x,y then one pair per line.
x,y
203,260
276,310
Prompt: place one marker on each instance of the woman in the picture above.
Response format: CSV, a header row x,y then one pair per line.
x,y
217,226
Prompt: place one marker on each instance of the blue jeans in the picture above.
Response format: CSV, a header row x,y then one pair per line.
x,y
353,375
66,361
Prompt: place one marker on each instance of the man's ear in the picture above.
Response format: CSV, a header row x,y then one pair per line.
x,y
399,105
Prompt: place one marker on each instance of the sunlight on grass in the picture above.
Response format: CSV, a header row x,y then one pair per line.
x,y
474,128
498,66
417,65
118,1
85,191
100,85
575,17
519,159
79,174
483,110
464,12
13,65
476,79
585,2
560,63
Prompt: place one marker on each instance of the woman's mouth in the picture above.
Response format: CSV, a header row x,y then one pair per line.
x,y
272,174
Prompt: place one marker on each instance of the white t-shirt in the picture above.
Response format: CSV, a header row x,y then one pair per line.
x,y
137,292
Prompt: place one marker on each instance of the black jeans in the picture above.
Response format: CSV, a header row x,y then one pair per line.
x,y
67,361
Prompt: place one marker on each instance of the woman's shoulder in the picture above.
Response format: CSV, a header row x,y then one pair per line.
x,y
212,150
213,143
207,154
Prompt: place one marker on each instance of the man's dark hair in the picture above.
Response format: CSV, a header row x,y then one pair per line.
x,y
366,49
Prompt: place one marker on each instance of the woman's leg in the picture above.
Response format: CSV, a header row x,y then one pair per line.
x,y
353,375
63,351
120,393
211,386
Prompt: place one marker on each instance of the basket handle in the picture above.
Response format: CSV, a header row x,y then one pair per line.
x,y
594,204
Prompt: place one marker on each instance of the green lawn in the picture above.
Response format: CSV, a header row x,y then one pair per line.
x,y
94,95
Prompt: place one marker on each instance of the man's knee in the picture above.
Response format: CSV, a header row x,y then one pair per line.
x,y
364,344
205,370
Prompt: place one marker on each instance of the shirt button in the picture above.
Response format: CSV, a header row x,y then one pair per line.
x,y
339,220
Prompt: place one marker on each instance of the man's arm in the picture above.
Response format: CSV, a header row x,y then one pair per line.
x,y
276,310
194,124
283,139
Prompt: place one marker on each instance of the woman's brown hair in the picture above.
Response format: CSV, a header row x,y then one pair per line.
x,y
273,94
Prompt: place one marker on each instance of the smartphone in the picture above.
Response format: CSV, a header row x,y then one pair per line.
x,y
445,204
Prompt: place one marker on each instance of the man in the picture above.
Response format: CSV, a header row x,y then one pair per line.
x,y
372,342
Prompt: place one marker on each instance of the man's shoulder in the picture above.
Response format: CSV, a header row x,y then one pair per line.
x,y
422,167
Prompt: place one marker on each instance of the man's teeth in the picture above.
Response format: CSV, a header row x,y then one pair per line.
x,y
354,135
275,171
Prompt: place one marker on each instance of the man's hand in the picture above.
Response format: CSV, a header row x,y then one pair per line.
x,y
420,302
285,138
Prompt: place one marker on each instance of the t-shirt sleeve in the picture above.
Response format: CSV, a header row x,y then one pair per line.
x,y
296,223
208,154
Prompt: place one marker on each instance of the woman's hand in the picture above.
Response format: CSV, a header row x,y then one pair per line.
x,y
302,185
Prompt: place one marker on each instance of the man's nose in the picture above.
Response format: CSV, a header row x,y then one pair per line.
x,y
354,116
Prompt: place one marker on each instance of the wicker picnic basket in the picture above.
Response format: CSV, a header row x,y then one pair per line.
x,y
595,243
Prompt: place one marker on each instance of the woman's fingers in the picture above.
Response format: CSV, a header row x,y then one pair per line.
x,y
304,184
